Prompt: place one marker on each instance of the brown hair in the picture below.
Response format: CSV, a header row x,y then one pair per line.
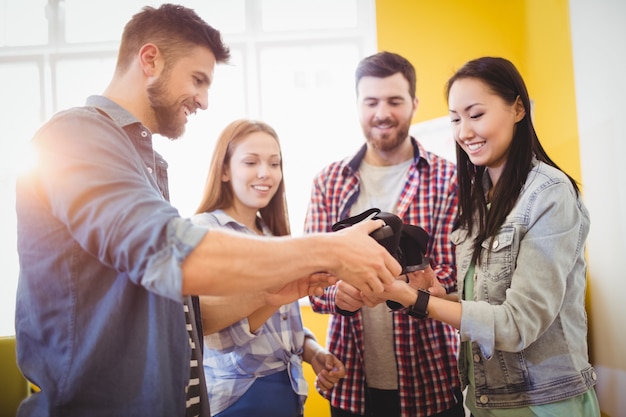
x,y
219,195
173,29
385,64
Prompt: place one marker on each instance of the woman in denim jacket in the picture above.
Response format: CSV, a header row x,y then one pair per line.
x,y
520,258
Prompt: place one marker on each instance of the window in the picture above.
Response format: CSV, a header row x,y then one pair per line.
x,y
292,66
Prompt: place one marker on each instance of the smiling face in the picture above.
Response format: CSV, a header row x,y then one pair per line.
x,y
254,173
180,90
385,110
483,123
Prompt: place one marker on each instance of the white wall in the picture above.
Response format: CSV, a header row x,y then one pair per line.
x,y
598,32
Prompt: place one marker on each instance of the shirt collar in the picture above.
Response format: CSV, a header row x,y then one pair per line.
x,y
224,219
120,115
419,153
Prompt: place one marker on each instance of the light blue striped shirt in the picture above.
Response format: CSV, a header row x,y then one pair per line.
x,y
235,357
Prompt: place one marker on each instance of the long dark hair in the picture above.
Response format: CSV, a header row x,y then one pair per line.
x,y
504,80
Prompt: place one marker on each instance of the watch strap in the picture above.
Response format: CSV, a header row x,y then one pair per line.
x,y
419,309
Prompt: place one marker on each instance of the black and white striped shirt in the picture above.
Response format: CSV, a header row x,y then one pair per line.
x,y
197,398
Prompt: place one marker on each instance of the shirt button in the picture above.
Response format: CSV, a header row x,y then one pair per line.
x,y
149,170
495,244
144,134
483,399
594,376
284,317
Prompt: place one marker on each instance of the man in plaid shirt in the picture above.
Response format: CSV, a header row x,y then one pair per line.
x,y
396,365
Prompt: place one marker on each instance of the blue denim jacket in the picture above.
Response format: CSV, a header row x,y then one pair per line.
x,y
99,320
527,323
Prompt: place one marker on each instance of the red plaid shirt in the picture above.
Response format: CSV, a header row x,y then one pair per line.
x,y
425,350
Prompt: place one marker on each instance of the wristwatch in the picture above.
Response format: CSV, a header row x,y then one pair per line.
x,y
418,310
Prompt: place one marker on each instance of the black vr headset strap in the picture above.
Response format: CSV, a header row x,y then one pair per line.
x,y
349,221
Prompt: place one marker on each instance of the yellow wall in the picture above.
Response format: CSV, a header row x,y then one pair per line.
x,y
439,36
316,405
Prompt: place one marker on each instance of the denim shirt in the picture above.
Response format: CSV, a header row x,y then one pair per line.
x,y
99,320
527,322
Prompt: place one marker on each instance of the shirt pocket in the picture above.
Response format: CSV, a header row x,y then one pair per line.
x,y
458,236
505,372
497,255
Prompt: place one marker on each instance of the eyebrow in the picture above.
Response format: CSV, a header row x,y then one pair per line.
x,y
204,77
399,97
274,155
466,108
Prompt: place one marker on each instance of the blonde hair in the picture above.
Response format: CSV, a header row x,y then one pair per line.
x,y
219,195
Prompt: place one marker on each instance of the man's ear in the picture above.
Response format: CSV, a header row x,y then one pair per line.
x,y
416,103
150,59
520,110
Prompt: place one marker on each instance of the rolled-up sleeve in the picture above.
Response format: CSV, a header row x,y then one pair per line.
x,y
99,188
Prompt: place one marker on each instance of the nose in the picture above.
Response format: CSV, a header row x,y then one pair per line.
x,y
202,99
263,170
382,111
464,131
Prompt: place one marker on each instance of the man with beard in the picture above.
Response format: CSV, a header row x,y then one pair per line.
x,y
395,364
104,324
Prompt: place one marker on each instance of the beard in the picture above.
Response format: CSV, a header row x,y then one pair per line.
x,y
387,142
166,114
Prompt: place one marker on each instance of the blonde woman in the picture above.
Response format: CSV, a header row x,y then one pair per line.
x,y
256,343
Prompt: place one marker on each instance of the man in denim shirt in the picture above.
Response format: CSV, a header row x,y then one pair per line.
x,y
106,262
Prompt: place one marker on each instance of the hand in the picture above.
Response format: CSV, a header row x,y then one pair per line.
x,y
426,279
347,297
364,263
328,368
309,285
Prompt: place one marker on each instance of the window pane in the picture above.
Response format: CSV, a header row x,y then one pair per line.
x,y
283,15
76,79
99,21
226,16
190,156
21,102
308,96
13,29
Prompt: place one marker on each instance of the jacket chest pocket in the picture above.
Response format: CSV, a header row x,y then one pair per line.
x,y
497,255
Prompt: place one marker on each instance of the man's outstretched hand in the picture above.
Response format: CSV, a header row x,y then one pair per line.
x,y
309,285
364,264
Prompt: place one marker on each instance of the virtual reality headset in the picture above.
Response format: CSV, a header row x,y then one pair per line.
x,y
405,242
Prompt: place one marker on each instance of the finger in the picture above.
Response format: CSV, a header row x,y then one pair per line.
x,y
370,225
316,291
438,290
323,382
386,274
393,266
368,301
348,304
